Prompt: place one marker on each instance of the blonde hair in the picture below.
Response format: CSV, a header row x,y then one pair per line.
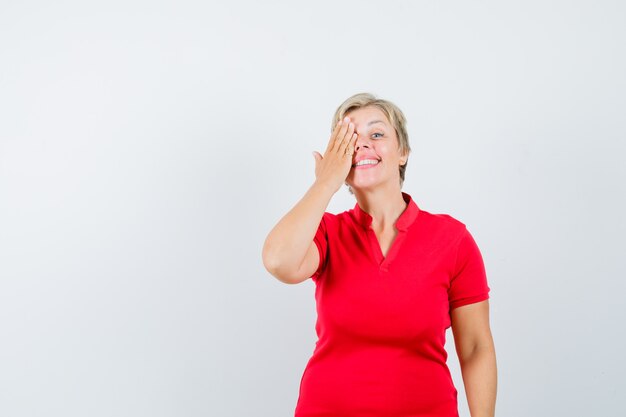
x,y
393,113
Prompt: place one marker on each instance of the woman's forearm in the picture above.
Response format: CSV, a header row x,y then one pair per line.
x,y
286,245
480,380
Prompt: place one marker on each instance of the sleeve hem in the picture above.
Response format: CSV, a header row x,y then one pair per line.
x,y
469,300
318,271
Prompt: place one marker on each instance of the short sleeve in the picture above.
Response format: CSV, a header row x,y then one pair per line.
x,y
321,240
468,283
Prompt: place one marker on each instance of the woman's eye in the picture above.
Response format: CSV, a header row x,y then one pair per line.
x,y
374,135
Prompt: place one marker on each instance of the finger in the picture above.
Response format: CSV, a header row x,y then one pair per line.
x,y
342,132
333,135
349,150
341,139
347,138
352,144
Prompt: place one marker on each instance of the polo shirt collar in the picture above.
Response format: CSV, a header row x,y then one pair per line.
x,y
406,219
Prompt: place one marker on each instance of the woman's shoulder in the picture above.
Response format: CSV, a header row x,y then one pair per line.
x,y
444,218
442,221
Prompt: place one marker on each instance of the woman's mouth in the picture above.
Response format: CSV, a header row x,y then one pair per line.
x,y
366,164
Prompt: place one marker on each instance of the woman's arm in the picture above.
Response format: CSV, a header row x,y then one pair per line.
x,y
477,356
290,241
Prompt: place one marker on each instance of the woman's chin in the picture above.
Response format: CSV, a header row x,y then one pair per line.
x,y
361,185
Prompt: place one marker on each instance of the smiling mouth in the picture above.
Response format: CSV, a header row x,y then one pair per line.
x,y
366,163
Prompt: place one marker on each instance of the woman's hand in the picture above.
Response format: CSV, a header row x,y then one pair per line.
x,y
333,168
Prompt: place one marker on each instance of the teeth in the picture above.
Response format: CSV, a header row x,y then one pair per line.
x,y
366,162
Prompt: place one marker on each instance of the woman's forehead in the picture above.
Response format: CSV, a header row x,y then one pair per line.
x,y
367,116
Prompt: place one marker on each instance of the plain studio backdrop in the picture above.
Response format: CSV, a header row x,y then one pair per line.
x,y
147,148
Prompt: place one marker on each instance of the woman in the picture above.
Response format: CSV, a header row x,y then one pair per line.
x,y
390,279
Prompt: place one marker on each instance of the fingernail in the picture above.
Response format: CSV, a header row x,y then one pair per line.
x,y
346,119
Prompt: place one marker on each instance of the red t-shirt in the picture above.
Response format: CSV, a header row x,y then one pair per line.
x,y
381,322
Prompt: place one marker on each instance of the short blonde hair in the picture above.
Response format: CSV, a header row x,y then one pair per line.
x,y
393,113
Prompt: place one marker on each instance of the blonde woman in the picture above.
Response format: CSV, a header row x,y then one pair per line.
x,y
390,279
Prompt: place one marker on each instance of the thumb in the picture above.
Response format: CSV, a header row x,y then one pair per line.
x,y
317,156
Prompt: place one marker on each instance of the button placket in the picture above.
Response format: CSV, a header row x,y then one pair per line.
x,y
375,250
382,261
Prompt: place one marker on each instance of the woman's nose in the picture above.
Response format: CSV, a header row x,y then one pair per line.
x,y
360,142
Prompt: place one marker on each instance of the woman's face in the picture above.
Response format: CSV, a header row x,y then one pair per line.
x,y
376,140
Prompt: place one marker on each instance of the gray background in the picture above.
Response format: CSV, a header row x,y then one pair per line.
x,y
147,148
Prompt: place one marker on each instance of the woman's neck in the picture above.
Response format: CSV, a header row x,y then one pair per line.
x,y
385,206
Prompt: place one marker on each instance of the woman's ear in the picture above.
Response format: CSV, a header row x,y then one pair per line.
x,y
404,158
